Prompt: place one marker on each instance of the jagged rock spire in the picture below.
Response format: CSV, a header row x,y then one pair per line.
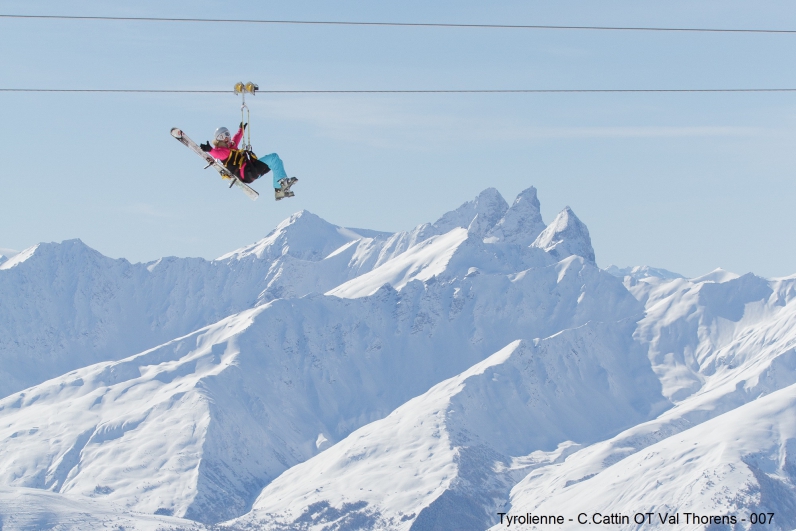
x,y
565,236
478,215
521,223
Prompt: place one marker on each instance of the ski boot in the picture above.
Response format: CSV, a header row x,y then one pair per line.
x,y
284,191
279,193
287,183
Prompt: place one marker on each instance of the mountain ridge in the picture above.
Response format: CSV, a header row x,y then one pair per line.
x,y
285,384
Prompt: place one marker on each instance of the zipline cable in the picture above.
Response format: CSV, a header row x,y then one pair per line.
x,y
405,24
413,91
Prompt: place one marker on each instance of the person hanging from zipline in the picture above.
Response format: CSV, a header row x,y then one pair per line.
x,y
237,162
244,164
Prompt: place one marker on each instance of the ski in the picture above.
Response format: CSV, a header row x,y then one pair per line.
x,y
225,173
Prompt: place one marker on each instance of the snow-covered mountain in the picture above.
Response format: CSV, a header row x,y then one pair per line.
x,y
38,509
471,437
334,378
722,350
642,272
66,306
6,253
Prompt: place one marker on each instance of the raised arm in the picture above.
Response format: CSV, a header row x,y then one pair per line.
x,y
238,135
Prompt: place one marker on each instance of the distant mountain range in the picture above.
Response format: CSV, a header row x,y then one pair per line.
x,y
478,368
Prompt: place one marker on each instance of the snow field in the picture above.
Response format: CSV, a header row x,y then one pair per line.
x,y
333,378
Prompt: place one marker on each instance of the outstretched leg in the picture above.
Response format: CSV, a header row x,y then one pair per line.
x,y
277,168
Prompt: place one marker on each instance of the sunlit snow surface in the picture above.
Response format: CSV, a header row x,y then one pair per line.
x,y
36,509
739,463
335,378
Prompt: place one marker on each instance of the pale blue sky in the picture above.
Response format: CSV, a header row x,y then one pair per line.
x,y
688,182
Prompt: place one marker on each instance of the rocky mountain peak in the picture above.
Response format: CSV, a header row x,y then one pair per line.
x,y
565,236
521,223
303,235
489,207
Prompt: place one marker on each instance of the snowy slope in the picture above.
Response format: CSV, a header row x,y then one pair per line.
x,y
450,456
487,218
642,272
275,381
35,509
64,306
421,262
691,324
734,465
337,378
566,236
6,253
269,381
740,334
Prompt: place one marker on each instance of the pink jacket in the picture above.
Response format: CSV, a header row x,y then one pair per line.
x,y
222,153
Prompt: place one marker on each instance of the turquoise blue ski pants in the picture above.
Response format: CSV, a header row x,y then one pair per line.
x,y
277,168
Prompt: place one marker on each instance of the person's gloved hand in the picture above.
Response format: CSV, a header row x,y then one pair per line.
x,y
206,146
243,125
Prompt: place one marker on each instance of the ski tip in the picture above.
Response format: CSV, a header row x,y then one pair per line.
x,y
176,132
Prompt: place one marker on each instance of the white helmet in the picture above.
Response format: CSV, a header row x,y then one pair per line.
x,y
222,135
